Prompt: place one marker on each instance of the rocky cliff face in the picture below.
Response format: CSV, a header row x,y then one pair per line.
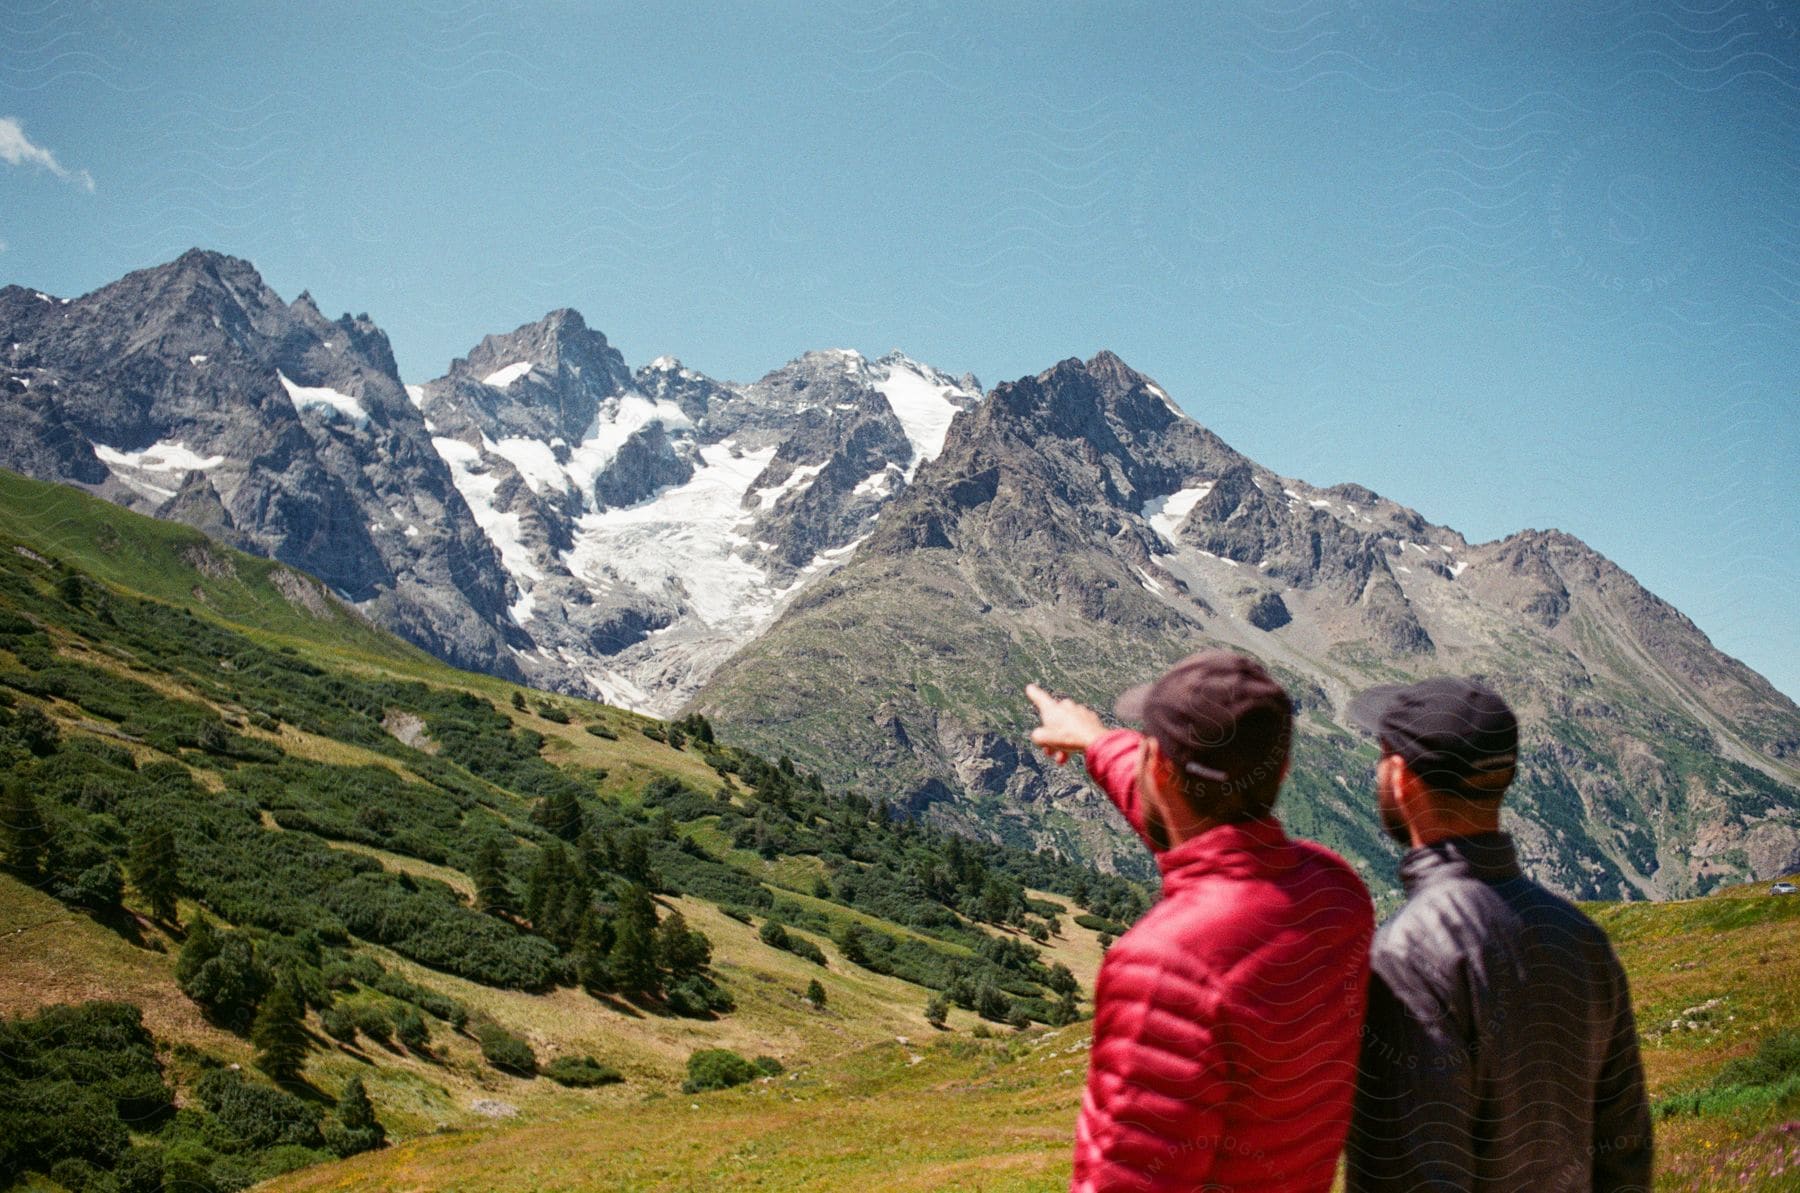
x,y
193,391
1079,530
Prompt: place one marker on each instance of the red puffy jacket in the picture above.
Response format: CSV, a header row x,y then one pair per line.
x,y
1227,1020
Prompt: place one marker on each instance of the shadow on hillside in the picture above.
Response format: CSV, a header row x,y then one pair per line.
x,y
634,1008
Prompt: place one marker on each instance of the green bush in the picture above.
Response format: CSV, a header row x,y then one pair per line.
x,y
581,1072
42,1122
716,1068
339,1024
698,997
411,1031
258,1116
373,1021
776,936
505,1051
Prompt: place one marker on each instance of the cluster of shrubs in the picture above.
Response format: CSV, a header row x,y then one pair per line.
x,y
264,984
84,1101
776,936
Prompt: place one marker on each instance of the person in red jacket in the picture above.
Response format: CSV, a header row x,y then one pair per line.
x,y
1227,1020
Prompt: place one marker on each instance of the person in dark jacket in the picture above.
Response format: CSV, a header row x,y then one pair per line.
x,y
1499,1050
1225,1021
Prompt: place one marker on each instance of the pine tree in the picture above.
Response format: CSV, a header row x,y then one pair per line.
x,y
201,946
937,1010
593,950
544,888
991,1002
815,993
492,895
849,940
156,870
279,1032
681,950
24,837
633,957
560,814
357,1129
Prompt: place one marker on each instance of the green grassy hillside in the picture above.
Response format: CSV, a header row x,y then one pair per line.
x,y
440,870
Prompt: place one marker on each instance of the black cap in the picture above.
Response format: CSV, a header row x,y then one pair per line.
x,y
1218,716
1456,734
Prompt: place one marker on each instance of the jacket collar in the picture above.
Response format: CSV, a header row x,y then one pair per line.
x,y
1235,850
1487,857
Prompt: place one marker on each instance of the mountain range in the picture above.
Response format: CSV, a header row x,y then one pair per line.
x,y
863,561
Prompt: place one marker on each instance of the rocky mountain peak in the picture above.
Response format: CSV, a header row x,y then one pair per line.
x,y
543,380
560,341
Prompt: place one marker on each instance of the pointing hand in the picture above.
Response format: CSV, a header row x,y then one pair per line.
x,y
1067,727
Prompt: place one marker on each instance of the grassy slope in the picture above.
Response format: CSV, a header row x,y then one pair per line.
x,y
156,559
50,954
950,1112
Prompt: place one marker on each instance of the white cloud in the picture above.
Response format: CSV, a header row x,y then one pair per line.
x,y
16,149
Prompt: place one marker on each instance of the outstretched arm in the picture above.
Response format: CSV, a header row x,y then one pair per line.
x,y
1067,726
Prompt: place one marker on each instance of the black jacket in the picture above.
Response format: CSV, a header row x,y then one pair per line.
x,y
1499,1051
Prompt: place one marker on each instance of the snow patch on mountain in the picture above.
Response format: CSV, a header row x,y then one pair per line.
x,y
323,397
924,404
1166,514
798,481
879,483
536,462
501,378
478,485
684,542
617,420
168,456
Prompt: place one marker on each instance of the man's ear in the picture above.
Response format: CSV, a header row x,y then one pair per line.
x,y
1409,789
1160,769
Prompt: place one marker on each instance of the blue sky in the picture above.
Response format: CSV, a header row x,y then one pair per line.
x,y
1513,270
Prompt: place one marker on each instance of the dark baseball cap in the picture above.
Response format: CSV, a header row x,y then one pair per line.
x,y
1217,715
1456,734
